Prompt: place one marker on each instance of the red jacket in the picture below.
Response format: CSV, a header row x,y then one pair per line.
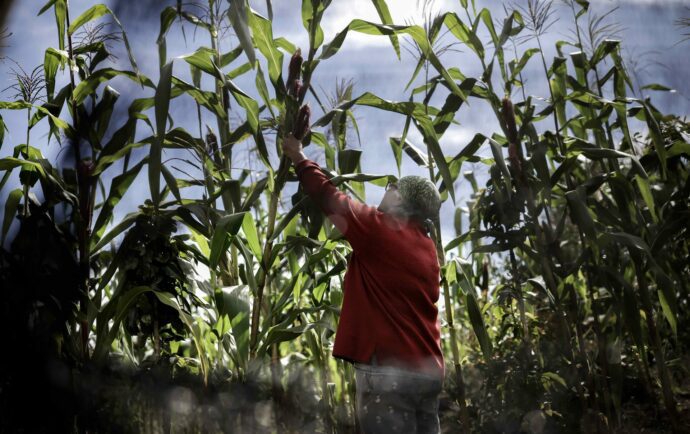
x,y
391,284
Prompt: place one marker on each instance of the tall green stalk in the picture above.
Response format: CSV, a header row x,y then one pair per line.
x,y
83,183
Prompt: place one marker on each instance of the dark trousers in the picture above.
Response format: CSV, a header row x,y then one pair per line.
x,y
393,400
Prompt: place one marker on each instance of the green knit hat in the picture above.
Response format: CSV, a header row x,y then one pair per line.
x,y
420,197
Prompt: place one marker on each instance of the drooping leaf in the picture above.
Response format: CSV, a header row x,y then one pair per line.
x,y
385,15
227,226
416,32
89,86
579,212
118,187
251,108
10,211
249,229
262,35
51,61
240,17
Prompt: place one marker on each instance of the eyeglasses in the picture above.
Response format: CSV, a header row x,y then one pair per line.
x,y
391,184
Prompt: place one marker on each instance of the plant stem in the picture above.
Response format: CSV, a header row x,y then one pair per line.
x,y
662,370
26,186
461,398
83,222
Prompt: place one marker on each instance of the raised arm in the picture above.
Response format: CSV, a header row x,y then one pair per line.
x,y
353,219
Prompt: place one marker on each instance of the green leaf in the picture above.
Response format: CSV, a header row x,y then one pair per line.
x,y
628,240
226,226
669,314
251,108
552,377
52,59
262,35
385,15
118,187
249,229
10,211
60,21
234,302
659,87
646,193
415,153
595,153
478,325
579,212
114,232
463,33
14,105
287,218
417,33
447,113
263,89
280,333
656,135
348,160
604,49
286,45
311,19
8,163
171,182
497,152
167,18
206,99
105,160
115,311
46,7
21,105
89,86
239,19
92,13
202,59
631,311
515,71
3,128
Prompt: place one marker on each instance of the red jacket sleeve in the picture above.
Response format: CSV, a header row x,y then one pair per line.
x,y
352,218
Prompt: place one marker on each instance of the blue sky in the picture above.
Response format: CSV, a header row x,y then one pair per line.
x,y
648,31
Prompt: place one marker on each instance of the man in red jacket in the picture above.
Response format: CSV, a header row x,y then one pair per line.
x,y
388,325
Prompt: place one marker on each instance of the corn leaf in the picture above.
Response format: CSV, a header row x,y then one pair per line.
x,y
89,86
98,11
10,211
249,229
118,187
385,15
240,19
227,226
262,35
417,33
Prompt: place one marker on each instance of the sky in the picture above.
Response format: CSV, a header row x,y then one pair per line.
x,y
652,44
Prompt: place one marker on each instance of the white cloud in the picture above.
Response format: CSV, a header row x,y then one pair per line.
x,y
456,138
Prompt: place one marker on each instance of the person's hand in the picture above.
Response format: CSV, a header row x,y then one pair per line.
x,y
292,148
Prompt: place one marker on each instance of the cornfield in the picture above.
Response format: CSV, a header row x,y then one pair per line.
x,y
212,305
